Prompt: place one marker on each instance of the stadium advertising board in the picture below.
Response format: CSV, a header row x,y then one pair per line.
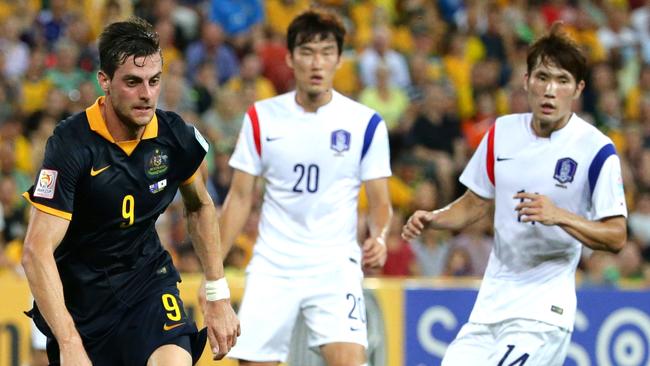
x,y
612,327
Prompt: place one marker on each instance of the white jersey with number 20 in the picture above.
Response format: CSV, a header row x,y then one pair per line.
x,y
313,165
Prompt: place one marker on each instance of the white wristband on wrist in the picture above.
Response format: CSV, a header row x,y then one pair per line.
x,y
217,290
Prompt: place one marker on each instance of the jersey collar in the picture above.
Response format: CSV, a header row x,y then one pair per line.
x,y
566,130
321,109
98,124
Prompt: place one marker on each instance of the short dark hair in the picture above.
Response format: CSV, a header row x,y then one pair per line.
x,y
121,40
315,23
559,49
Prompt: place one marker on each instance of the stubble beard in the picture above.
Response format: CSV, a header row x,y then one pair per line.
x,y
548,123
130,123
315,95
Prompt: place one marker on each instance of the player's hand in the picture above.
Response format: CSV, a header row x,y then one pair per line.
x,y
72,353
416,223
223,327
374,252
537,208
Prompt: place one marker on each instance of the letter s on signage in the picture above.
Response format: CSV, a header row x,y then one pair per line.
x,y
433,315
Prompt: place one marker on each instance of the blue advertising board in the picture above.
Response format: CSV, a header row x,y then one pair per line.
x,y
612,327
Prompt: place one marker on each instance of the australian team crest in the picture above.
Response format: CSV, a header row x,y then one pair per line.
x,y
340,141
565,170
156,164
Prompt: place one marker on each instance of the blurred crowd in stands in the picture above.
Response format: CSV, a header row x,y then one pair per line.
x,y
438,71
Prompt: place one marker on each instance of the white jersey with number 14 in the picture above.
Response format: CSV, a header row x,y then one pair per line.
x,y
531,270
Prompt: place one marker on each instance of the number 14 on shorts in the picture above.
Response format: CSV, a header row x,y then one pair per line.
x,y
510,354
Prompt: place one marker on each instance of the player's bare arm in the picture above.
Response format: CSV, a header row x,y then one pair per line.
x,y
220,318
44,234
236,207
234,214
380,212
607,234
458,214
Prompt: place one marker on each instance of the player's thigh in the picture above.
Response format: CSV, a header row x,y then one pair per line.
x,y
335,310
170,355
472,346
343,354
267,314
523,342
252,363
157,321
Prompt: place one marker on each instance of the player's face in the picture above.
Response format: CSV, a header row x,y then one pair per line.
x,y
551,92
134,89
314,64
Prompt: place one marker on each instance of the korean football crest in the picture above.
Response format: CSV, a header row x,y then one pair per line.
x,y
565,170
340,141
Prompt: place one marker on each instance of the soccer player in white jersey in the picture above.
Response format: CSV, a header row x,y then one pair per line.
x,y
555,184
313,148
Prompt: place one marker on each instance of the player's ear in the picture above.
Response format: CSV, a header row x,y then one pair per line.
x,y
103,80
579,88
526,81
288,58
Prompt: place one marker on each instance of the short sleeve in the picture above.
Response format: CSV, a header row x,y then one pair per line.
x,y
608,196
54,189
195,147
475,176
375,154
246,156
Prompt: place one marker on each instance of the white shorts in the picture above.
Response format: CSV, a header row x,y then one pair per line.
x,y
39,340
331,303
512,342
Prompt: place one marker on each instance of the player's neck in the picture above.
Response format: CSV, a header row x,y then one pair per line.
x,y
119,130
546,128
311,102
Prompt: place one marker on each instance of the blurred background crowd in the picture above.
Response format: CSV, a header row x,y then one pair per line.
x,y
438,71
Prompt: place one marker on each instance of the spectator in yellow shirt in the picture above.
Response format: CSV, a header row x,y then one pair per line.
x,y
279,13
250,74
636,94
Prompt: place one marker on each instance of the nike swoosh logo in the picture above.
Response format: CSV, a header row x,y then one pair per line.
x,y
170,327
269,139
94,172
503,159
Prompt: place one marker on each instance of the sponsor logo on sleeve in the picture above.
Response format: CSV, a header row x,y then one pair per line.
x,y
46,184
